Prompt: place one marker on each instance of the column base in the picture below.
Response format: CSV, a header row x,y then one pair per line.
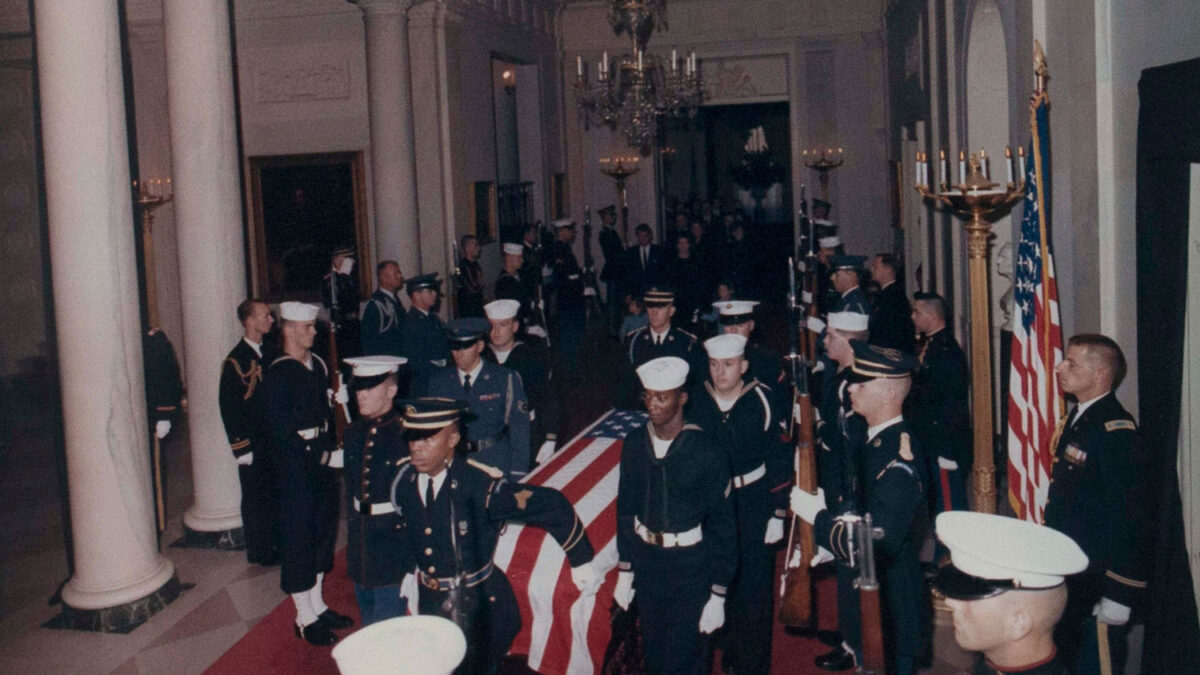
x,y
225,540
122,618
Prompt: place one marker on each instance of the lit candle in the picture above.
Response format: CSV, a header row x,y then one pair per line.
x,y
604,63
1021,160
983,164
674,60
918,169
942,157
962,167
639,53
579,66
1008,164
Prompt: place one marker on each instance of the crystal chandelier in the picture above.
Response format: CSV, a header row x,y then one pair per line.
x,y
636,89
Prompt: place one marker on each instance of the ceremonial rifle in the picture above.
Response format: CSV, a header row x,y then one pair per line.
x,y
809,283
795,608
456,276
341,411
537,289
863,535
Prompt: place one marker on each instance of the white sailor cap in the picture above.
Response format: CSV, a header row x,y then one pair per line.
x,y
563,222
426,645
663,374
297,311
370,371
725,346
513,249
823,222
829,242
991,554
501,309
848,321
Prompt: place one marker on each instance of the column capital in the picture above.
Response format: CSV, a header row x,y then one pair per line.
x,y
382,7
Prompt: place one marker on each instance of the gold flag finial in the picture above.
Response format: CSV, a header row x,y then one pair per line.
x,y
1041,72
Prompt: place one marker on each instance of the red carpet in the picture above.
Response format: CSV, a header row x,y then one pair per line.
x,y
272,647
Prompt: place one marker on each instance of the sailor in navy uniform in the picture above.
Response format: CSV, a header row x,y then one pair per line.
x,y
738,414
846,270
676,532
376,558
382,326
510,287
498,429
298,420
1005,585
737,317
243,413
451,512
424,333
1099,496
657,338
339,293
532,363
892,493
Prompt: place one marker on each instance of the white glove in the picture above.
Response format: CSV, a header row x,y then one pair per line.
x,y
586,579
536,330
544,452
820,367
342,396
161,429
1111,612
589,292
947,464
805,504
815,325
823,556
774,531
410,592
623,593
246,459
713,616
337,459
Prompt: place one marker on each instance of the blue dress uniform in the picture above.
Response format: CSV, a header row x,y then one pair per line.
x,y
376,558
298,417
424,337
454,537
662,503
243,413
853,300
382,326
761,466
1100,498
532,364
941,417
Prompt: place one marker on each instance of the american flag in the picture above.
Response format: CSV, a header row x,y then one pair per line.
x,y
1034,403
561,631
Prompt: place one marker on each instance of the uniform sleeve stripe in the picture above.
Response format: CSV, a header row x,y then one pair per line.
x,y
1125,580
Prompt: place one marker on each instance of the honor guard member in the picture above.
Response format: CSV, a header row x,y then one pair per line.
x,y
339,292
452,511
424,332
531,259
509,286
469,282
891,316
737,317
892,493
243,412
738,415
376,558
676,533
498,429
569,319
613,250
531,362
1005,586
658,338
939,409
298,417
1099,497
164,396
827,247
845,280
382,327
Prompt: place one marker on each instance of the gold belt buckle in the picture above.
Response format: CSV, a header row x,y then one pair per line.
x,y
653,538
429,582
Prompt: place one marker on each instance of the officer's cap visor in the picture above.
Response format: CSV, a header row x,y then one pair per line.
x,y
954,583
358,383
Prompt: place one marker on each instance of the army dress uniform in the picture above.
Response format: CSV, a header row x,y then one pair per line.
x,y
498,433
941,418
612,273
454,538
569,319
1099,498
382,326
677,534
643,345
243,413
760,464
424,337
531,363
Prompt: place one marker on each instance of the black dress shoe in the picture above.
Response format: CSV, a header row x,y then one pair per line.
x,y
838,659
334,620
316,634
829,638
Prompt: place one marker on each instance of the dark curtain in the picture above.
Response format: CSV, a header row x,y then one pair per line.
x,y
1168,141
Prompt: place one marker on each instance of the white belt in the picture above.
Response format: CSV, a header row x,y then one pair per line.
x,y
750,477
667,539
377,509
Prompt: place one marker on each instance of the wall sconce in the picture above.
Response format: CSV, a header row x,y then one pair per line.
x,y
509,77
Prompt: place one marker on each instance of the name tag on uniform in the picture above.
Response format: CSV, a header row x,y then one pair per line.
x,y
1075,455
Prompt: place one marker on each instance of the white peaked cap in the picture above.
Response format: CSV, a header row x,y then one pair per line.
x,y
849,321
513,249
663,374
1001,548
425,645
823,222
563,222
371,366
734,307
501,309
297,311
829,242
725,346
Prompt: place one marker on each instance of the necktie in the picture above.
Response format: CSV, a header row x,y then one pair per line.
x,y
467,384
429,495
645,254
1071,418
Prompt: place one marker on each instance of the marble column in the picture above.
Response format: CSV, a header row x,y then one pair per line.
x,y
393,162
120,579
208,224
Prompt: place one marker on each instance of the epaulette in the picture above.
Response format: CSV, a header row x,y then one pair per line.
x,y
693,427
489,470
905,447
403,460
1120,424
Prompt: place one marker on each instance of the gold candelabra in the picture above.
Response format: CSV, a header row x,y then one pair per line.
x,y
149,195
619,169
823,161
977,199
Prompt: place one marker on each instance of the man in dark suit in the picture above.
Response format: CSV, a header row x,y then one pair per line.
x,y
613,250
424,332
644,263
891,318
243,412
382,326
1099,496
